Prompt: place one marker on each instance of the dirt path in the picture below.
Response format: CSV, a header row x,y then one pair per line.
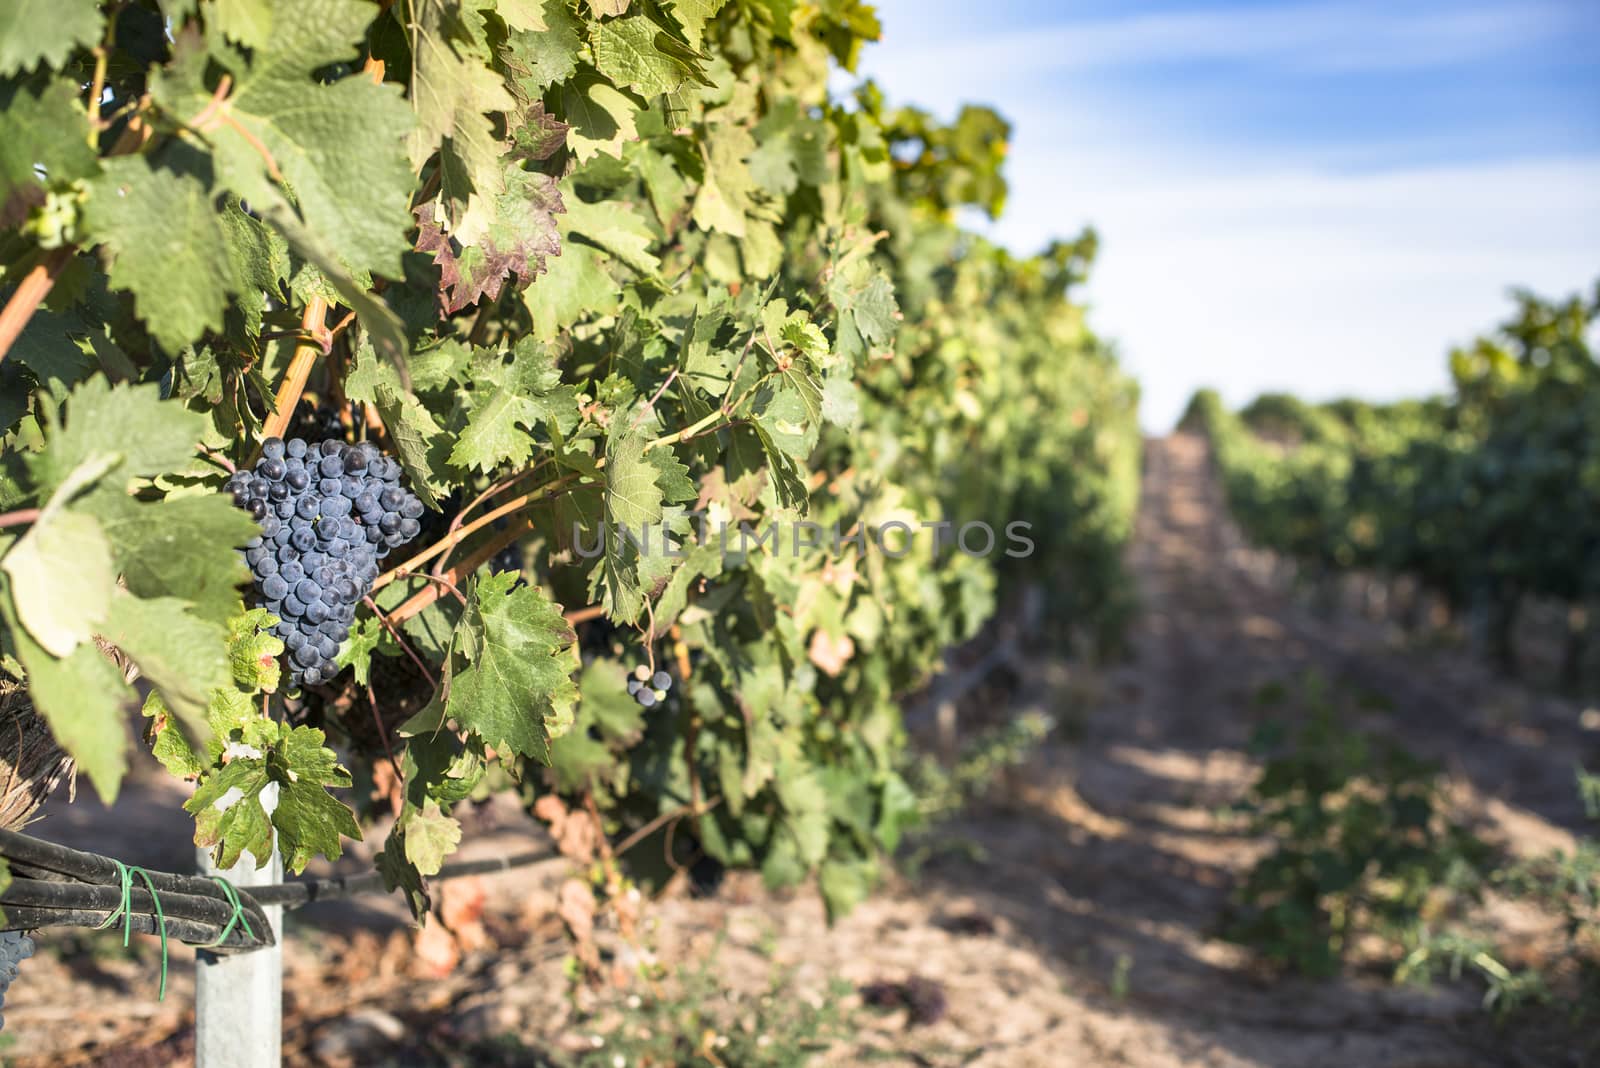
x,y
1084,935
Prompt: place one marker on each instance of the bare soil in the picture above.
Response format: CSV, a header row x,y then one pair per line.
x,y
1070,920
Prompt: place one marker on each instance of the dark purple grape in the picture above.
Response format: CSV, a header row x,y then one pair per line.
x,y
328,512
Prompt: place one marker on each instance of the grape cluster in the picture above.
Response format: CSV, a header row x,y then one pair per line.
x,y
328,513
649,690
15,947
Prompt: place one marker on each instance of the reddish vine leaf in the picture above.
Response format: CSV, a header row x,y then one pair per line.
x,y
540,135
519,235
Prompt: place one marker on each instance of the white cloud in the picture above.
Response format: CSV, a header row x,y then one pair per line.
x,y
1321,284
1255,266
1341,37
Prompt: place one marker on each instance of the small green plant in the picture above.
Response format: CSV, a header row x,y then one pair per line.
x,y
942,791
1360,843
1119,976
1589,791
692,1019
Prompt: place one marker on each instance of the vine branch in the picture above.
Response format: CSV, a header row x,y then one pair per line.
x,y
316,341
30,294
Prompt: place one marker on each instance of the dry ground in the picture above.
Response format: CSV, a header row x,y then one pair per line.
x,y
1084,933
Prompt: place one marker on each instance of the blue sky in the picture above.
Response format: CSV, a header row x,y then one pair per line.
x,y
1318,196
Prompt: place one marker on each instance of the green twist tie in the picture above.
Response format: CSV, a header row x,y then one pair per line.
x,y
238,916
125,910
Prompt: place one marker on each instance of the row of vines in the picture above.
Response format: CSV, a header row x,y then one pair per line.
x,y
1486,497
585,270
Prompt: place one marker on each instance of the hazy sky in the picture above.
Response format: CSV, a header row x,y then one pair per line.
x,y
1320,197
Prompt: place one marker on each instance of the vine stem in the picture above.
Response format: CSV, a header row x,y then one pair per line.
x,y
97,89
692,430
19,517
397,796
313,326
583,615
35,286
456,537
432,592
461,516
394,632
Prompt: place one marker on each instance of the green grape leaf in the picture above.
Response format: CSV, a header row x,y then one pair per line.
x,y
634,508
510,670
633,51
340,147
62,579
692,16
429,836
725,197
578,759
247,21
543,47
167,743
184,547
845,884
418,440
47,348
42,127
309,820
400,874
359,647
253,651
48,30
615,228
438,766
506,402
149,436
168,247
260,264
229,814
453,92
603,118
84,699
182,656
576,286
384,328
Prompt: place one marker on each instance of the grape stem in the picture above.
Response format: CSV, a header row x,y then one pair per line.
x,y
396,801
450,587
456,537
692,430
388,624
316,340
654,825
430,593
583,615
35,286
497,487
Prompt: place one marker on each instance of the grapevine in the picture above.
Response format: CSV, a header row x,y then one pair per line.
x,y
1483,497
390,381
